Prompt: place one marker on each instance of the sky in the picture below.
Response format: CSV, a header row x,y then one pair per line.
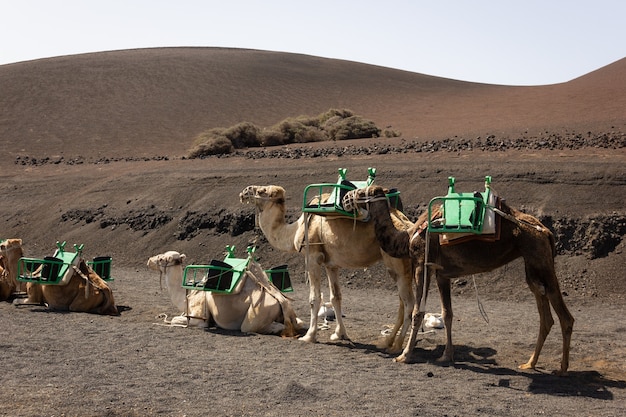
x,y
529,42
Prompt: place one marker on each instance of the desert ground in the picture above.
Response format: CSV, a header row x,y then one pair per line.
x,y
95,153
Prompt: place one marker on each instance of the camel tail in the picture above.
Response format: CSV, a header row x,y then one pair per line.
x,y
552,243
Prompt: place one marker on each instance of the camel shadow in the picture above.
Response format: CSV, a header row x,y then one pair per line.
x,y
38,308
589,384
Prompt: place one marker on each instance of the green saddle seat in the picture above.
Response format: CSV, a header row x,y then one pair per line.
x,y
51,270
461,212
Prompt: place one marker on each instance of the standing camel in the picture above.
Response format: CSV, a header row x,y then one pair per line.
x,y
333,243
521,235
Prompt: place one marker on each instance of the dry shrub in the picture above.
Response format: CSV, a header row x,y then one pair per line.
x,y
335,124
353,127
243,135
216,145
272,137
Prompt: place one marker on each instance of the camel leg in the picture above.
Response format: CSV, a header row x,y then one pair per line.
x,y
260,317
545,323
35,295
418,317
315,296
443,284
567,325
536,283
390,342
393,342
335,299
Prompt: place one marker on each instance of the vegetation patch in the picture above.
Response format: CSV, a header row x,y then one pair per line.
x,y
332,125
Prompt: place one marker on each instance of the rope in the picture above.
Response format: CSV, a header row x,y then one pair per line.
x,y
483,313
515,219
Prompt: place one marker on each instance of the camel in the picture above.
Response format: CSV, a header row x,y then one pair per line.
x,y
334,243
10,253
84,291
521,235
254,306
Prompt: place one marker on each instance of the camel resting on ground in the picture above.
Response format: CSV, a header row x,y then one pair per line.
x,y
254,306
84,291
521,235
10,253
333,243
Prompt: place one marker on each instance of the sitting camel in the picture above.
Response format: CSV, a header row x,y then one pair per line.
x,y
521,235
84,291
255,305
10,253
333,243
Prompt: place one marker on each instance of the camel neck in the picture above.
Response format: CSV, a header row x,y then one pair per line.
x,y
278,232
393,241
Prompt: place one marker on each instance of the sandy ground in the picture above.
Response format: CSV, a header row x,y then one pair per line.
x,y
132,365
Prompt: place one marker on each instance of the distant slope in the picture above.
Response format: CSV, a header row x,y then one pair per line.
x,y
150,102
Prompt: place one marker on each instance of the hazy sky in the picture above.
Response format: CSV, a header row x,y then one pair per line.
x,y
525,42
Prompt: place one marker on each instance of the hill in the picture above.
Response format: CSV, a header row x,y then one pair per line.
x,y
151,102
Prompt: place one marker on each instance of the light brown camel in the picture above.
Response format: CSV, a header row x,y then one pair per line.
x,y
333,243
254,306
521,235
84,292
10,253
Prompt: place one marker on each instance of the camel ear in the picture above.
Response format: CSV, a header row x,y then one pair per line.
x,y
183,257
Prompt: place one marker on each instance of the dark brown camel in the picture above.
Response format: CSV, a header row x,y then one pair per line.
x,y
521,235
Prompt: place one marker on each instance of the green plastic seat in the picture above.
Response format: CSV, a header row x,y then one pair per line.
x,y
461,212
217,276
101,265
51,269
279,276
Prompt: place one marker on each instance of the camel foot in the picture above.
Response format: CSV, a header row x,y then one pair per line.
x,y
337,337
308,338
393,349
527,365
403,359
445,359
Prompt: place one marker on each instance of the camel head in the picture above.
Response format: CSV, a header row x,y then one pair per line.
x,y
260,195
163,261
8,246
361,197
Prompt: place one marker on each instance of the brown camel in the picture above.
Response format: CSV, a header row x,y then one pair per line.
x,y
333,243
83,291
10,253
520,235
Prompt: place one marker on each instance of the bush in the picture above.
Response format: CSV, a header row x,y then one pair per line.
x,y
335,124
390,133
213,146
353,127
243,135
301,130
272,138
